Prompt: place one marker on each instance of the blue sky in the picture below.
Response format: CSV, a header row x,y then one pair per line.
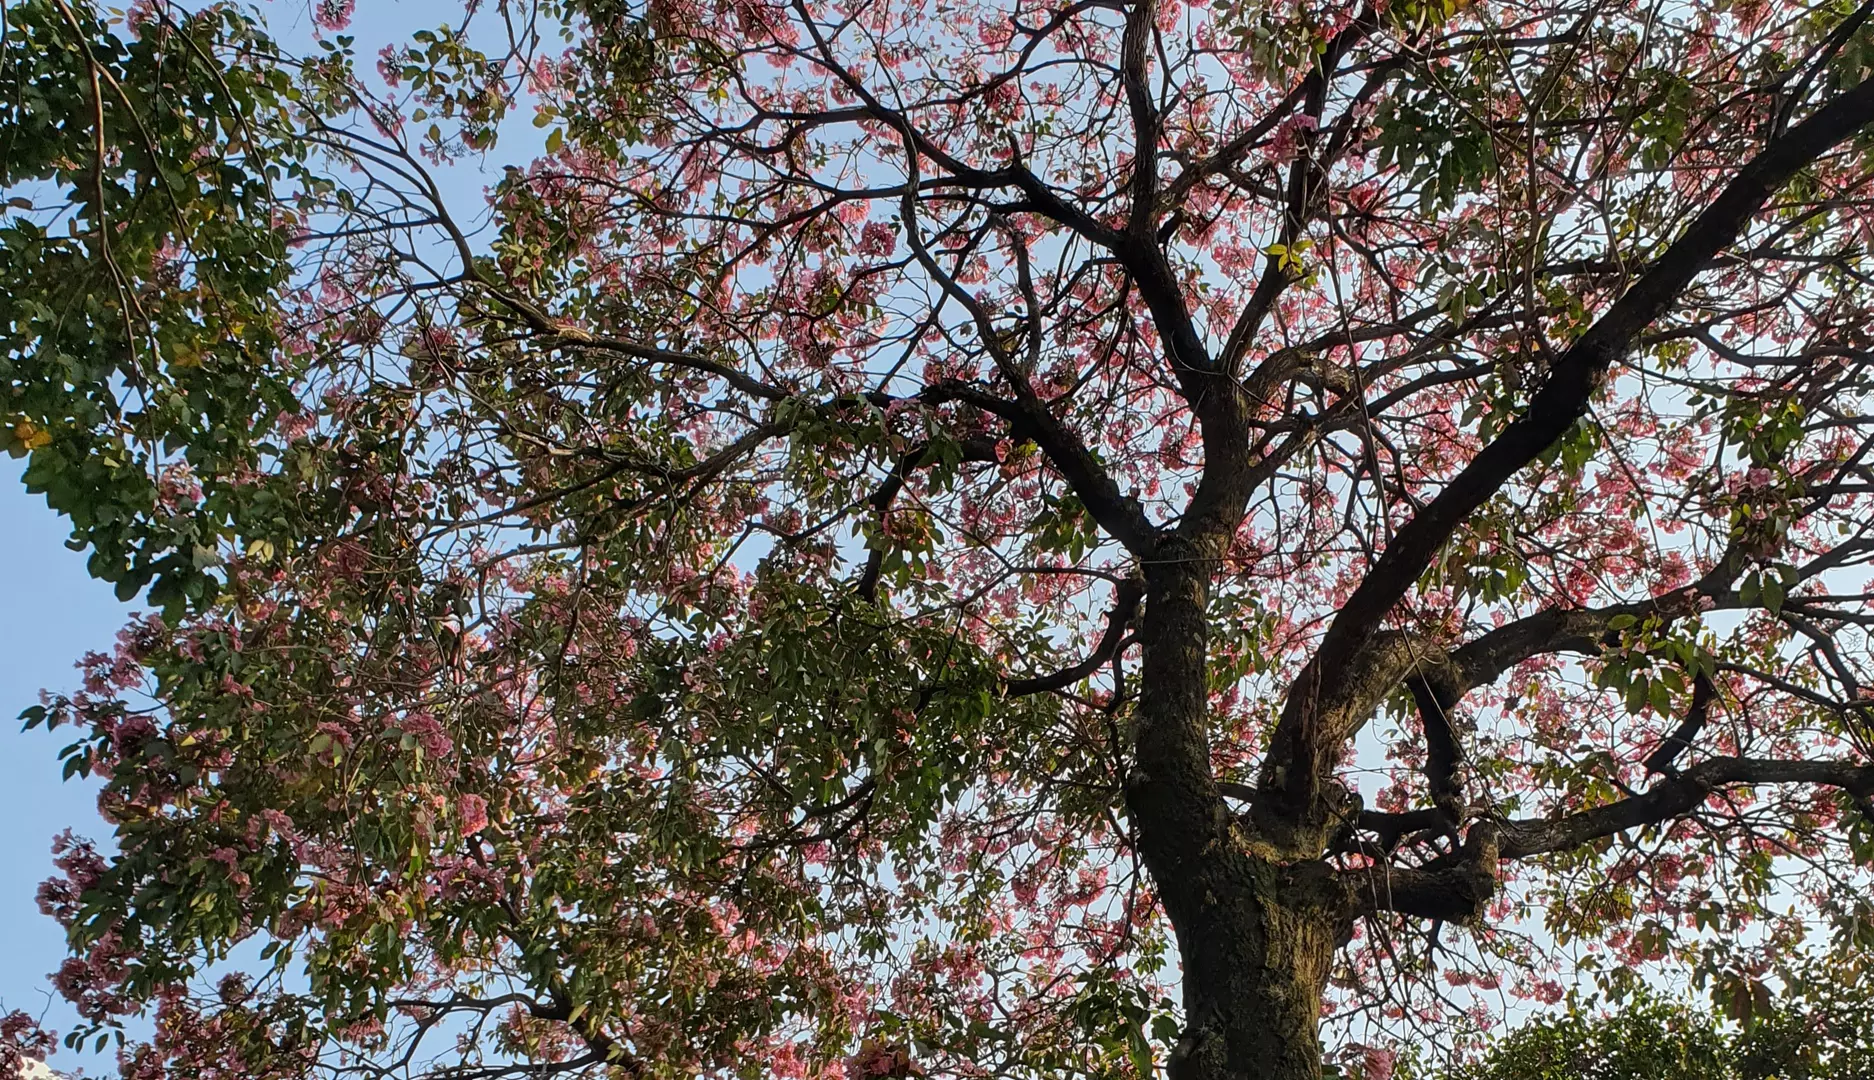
x,y
54,613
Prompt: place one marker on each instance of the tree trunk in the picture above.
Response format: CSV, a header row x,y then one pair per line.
x,y
1257,924
1256,955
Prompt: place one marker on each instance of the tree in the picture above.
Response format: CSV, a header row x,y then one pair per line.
x,y
1823,1026
915,531
1647,1038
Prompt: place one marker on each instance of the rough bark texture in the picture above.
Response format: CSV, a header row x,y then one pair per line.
x,y
1257,924
1257,946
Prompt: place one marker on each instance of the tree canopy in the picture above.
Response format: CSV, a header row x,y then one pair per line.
x,y
1821,1028
944,537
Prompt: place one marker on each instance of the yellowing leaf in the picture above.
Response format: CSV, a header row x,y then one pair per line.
x,y
31,435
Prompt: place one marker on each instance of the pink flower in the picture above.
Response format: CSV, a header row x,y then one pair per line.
x,y
333,15
135,19
877,239
428,734
388,68
1289,137
22,1039
877,1059
472,810
294,426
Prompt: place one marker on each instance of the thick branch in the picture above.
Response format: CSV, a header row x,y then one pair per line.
x,y
1132,67
1703,692
1576,375
1675,797
1457,886
1454,892
1119,514
1442,753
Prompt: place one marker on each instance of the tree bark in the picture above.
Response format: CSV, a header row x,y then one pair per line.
x,y
1256,950
1257,924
